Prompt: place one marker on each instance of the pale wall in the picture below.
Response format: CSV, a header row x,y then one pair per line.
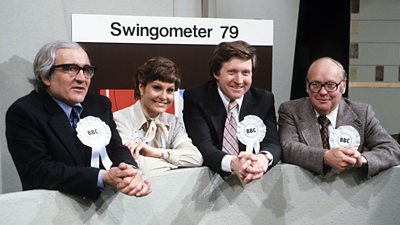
x,y
376,30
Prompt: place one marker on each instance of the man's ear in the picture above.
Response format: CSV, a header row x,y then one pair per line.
x,y
46,81
216,77
343,87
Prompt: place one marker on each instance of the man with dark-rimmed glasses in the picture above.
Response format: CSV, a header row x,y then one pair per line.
x,y
326,133
63,138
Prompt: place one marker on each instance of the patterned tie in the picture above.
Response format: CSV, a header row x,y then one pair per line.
x,y
230,143
74,116
324,121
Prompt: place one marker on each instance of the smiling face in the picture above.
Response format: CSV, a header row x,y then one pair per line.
x,y
323,71
64,87
156,97
235,77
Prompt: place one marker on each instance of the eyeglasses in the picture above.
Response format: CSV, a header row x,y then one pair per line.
x,y
329,86
73,70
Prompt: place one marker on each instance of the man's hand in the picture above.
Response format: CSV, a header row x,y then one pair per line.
x,y
359,158
249,167
115,175
341,159
127,180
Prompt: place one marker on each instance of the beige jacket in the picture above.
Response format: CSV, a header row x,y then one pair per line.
x,y
182,152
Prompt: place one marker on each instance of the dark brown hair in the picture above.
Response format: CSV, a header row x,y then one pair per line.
x,y
157,68
226,50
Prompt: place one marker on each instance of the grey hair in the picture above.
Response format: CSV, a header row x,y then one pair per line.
x,y
45,60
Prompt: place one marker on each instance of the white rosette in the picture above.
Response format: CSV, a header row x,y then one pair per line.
x,y
251,131
344,136
93,132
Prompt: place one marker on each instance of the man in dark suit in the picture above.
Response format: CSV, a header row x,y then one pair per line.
x,y
352,127
46,149
206,115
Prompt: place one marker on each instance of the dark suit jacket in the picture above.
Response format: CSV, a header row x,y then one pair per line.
x,y
301,139
46,151
204,115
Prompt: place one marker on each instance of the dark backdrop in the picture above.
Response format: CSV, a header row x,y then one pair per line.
x,y
323,30
116,63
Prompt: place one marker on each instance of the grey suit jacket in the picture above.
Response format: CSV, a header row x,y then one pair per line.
x,y
301,140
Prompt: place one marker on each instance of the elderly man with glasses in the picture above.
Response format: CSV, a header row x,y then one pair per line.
x,y
63,138
327,134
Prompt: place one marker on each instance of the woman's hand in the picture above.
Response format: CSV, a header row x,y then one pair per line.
x,y
142,149
132,146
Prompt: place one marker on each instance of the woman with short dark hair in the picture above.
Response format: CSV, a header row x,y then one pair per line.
x,y
157,140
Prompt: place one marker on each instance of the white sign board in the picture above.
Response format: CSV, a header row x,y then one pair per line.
x,y
169,30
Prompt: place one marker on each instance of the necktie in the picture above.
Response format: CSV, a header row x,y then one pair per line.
x,y
230,143
324,121
74,116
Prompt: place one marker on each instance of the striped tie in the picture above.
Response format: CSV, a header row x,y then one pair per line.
x,y
230,142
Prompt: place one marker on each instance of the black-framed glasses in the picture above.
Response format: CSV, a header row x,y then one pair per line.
x,y
329,86
73,70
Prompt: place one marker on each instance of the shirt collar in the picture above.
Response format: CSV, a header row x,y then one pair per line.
x,y
226,100
141,119
67,108
331,116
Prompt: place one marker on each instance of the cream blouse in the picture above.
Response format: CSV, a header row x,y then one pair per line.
x,y
183,153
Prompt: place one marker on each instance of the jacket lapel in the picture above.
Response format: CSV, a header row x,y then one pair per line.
x,y
346,116
61,127
248,105
308,124
217,111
